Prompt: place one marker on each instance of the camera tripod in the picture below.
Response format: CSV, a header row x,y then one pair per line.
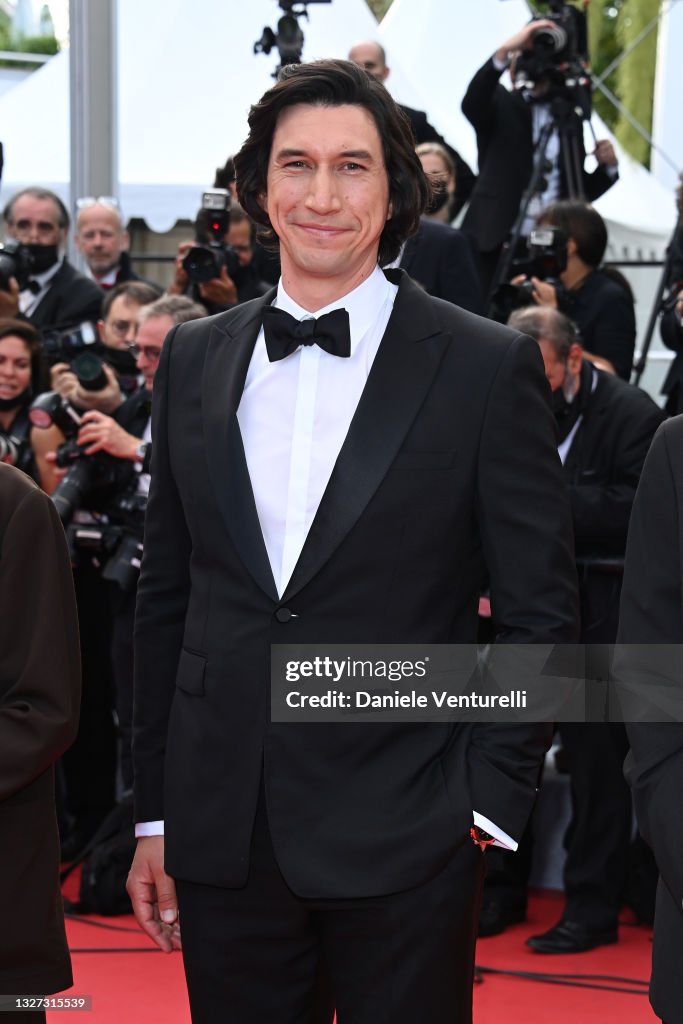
x,y
567,116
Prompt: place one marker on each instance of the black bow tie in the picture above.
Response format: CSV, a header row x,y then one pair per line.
x,y
284,334
34,286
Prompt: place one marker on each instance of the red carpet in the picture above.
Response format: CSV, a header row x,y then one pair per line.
x,y
130,981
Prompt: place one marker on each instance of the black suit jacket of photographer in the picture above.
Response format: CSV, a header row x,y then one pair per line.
x,y
71,299
440,258
503,123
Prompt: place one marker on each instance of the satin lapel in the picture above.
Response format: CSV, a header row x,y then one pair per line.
x,y
225,370
399,380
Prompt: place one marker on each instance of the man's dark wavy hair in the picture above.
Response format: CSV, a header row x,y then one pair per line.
x,y
333,83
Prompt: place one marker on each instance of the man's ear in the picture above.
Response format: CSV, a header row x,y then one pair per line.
x,y
575,358
390,211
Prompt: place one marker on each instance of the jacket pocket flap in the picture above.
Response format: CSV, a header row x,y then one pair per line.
x,y
190,674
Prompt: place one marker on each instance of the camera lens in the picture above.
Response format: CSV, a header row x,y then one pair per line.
x,y
89,370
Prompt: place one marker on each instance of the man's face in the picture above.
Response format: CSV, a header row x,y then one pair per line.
x,y
561,373
239,237
369,56
149,340
100,237
36,221
119,329
327,193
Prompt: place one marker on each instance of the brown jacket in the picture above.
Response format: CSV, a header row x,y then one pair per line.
x,y
39,703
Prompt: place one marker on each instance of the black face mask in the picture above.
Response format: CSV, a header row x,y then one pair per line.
x,y
43,257
439,197
7,404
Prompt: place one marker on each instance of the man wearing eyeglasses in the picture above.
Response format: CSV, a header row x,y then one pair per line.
x,y
117,331
52,294
103,240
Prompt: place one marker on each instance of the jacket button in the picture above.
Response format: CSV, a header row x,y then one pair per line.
x,y
283,615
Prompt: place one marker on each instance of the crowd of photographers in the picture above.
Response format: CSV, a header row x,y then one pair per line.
x,y
78,354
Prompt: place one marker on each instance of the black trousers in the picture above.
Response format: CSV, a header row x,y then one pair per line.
x,y
262,954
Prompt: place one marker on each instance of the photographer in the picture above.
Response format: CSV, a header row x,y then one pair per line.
x,y
605,427
225,289
21,377
43,286
599,301
102,238
509,127
127,436
116,331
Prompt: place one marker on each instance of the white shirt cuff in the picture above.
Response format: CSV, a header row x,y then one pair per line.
x,y
153,828
501,838
500,65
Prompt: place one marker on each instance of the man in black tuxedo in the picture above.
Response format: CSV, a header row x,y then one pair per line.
x,y
371,56
343,479
605,427
55,296
508,127
650,618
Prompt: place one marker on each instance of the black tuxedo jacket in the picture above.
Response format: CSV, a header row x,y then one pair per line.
x,y
503,123
70,299
423,131
602,470
440,259
39,704
449,463
652,613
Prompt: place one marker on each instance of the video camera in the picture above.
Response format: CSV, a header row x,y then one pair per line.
x,y
545,258
203,262
289,39
559,55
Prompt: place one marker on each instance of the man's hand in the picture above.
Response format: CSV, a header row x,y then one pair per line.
x,y
9,299
604,153
103,434
152,893
178,285
65,382
543,294
521,40
221,289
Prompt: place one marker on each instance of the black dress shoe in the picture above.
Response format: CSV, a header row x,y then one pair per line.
x,y
496,915
571,937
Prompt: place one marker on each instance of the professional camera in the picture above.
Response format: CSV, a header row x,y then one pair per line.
x,y
559,54
114,543
16,261
97,478
203,262
545,258
65,345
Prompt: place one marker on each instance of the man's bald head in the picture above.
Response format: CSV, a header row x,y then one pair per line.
x,y
371,56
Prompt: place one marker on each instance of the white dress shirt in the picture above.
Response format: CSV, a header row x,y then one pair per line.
x,y
294,416
28,300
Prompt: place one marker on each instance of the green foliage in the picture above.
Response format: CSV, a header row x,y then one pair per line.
x,y
379,7
37,44
636,74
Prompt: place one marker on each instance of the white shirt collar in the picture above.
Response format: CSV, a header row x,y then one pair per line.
x,y
361,304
